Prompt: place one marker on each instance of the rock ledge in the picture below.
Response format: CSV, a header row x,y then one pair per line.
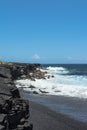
x,y
14,111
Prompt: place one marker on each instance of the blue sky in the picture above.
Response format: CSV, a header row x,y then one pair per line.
x,y
43,31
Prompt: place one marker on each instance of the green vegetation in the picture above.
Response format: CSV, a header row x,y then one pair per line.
x,y
7,63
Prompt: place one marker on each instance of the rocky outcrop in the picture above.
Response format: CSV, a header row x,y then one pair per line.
x,y
27,71
14,111
19,71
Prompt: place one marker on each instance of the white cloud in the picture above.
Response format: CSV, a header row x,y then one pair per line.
x,y
36,56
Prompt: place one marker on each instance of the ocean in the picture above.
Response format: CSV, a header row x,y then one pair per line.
x,y
65,91
69,80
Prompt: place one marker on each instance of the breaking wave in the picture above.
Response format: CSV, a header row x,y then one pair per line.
x,y
62,84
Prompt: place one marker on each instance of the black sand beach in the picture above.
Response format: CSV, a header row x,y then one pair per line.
x,y
43,114
45,119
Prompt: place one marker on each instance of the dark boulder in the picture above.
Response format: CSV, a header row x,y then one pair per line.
x,y
2,127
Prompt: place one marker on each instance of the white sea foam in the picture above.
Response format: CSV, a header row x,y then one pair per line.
x,y
57,70
74,86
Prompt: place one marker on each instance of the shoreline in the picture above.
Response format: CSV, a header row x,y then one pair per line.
x,y
74,108
43,112
45,118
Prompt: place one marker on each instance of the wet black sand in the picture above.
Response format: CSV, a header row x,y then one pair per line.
x,y
47,117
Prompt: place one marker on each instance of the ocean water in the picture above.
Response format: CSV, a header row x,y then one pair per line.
x,y
69,80
66,92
